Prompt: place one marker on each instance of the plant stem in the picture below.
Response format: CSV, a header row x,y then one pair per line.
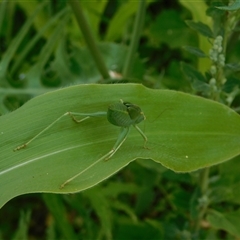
x,y
204,175
2,12
134,39
204,182
88,36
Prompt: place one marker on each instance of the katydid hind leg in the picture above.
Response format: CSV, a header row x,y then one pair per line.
x,y
72,115
40,133
84,170
121,138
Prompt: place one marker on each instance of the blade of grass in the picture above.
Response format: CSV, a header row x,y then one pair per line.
x,y
57,208
16,43
3,8
35,72
39,34
135,38
88,36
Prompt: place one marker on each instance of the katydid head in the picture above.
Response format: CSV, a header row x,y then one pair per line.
x,y
124,114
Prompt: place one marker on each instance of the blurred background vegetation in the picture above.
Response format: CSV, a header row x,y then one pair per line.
x,y
42,48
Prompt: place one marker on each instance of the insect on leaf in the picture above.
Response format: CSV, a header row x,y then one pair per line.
x,y
191,133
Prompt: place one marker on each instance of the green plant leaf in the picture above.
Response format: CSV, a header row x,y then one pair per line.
x,y
15,43
60,19
171,29
191,72
34,74
200,27
229,222
233,7
198,12
57,209
185,133
233,66
114,55
23,226
120,19
196,51
197,80
104,214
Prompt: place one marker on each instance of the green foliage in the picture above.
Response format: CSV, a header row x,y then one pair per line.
x,y
233,6
228,222
187,46
200,27
170,28
22,231
196,51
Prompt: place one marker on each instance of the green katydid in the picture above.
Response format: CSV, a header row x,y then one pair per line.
x,y
121,114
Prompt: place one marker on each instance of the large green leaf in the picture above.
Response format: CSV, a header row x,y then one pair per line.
x,y
185,133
